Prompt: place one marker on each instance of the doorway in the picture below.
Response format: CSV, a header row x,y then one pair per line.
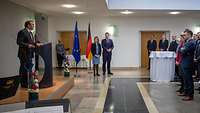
x,y
67,38
145,36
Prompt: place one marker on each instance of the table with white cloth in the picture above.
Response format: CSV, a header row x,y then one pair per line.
x,y
162,67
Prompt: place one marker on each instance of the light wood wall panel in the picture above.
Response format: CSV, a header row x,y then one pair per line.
x,y
67,37
145,36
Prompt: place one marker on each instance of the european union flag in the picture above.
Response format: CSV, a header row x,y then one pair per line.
x,y
76,48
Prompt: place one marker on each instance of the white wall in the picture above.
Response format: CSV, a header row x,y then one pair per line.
x,y
12,18
156,5
127,51
41,22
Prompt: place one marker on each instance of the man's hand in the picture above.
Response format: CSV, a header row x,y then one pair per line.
x,y
97,55
195,60
31,46
109,50
39,44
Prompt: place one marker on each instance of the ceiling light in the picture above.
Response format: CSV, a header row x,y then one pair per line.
x,y
126,12
68,5
174,13
78,12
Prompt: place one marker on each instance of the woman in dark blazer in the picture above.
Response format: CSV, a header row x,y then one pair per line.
x,y
96,53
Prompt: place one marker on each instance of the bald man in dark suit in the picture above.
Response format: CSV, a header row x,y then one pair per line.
x,y
163,44
151,46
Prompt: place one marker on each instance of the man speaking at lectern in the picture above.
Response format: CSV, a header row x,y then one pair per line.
x,y
27,44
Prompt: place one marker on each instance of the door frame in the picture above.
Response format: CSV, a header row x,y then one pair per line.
x,y
168,35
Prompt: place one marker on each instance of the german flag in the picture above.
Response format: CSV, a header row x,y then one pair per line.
x,y
89,45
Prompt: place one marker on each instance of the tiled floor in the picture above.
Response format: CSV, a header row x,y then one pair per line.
x,y
165,99
84,95
89,94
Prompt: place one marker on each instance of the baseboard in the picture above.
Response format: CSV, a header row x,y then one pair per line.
x,y
125,68
114,68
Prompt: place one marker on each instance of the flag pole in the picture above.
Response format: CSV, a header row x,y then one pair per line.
x,y
90,67
76,68
76,74
89,64
76,71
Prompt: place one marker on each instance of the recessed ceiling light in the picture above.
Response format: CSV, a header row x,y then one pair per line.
x,y
174,13
78,12
126,12
68,5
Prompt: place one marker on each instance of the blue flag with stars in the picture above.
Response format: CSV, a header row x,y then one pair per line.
x,y
76,48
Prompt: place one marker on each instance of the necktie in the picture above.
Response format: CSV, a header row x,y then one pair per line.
x,y
31,34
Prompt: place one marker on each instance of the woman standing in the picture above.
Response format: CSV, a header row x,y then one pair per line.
x,y
178,63
96,53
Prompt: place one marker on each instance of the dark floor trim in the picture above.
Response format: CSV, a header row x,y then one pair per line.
x,y
124,96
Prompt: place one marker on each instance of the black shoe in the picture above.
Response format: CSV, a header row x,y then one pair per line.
x,y
110,73
181,94
188,98
98,74
179,91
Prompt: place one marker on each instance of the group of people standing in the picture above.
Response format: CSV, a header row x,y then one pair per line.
x,y
188,54
96,50
163,45
107,46
187,61
28,45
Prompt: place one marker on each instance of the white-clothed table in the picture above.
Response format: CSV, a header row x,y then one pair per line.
x,y
162,65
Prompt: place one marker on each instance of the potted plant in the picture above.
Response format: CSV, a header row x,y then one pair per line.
x,y
66,67
33,88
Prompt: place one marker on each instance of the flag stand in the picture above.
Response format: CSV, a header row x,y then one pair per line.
x,y
76,74
90,68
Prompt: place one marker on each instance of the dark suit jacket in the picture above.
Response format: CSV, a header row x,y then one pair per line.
x,y
187,52
163,45
93,49
173,46
23,40
107,45
197,51
151,46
